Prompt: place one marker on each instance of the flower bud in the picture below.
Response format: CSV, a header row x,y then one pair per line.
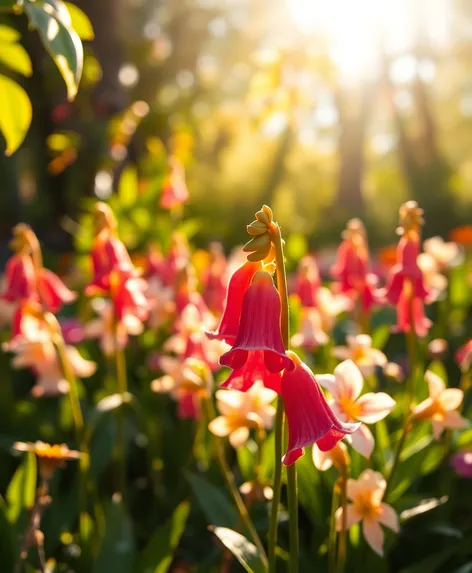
x,y
256,228
263,217
260,254
257,243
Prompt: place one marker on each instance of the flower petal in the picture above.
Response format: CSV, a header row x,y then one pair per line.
x,y
328,381
219,427
435,384
322,460
239,437
375,406
388,517
349,380
455,421
374,535
352,517
363,441
451,399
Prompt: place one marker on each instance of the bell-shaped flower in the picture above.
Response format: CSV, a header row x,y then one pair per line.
x,y
238,285
446,254
352,267
52,292
259,327
20,279
441,406
112,333
359,350
188,382
310,419
127,296
461,462
337,456
243,411
366,506
310,334
174,189
254,370
345,387
307,281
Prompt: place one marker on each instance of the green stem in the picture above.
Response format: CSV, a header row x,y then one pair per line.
x,y
332,530
122,387
229,478
398,452
343,532
279,432
291,470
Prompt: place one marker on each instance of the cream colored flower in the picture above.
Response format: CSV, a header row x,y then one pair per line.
x,y
441,406
359,350
241,411
434,281
366,495
446,254
330,306
337,456
311,334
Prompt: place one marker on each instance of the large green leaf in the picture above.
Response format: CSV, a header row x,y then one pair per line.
x,y
53,22
21,492
157,556
117,551
214,504
80,22
244,551
16,58
15,113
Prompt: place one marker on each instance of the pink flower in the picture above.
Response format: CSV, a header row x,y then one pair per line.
x,y
345,387
441,406
20,279
366,494
308,281
241,411
188,382
359,350
464,356
352,266
52,292
174,189
462,463
237,287
259,327
309,417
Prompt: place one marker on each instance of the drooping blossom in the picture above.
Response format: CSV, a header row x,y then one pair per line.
x,y
406,287
345,387
464,356
113,334
238,285
20,279
441,406
446,254
38,353
188,382
258,331
337,456
309,417
352,267
243,411
461,462
359,350
366,506
174,188
307,281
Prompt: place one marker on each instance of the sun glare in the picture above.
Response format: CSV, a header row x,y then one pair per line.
x,y
358,30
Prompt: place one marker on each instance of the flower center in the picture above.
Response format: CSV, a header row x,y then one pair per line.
x,y
366,507
359,354
349,407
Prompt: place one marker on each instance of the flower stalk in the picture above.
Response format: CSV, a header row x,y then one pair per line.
x,y
343,533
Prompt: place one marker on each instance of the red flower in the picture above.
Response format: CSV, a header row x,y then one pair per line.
x,y
237,287
52,291
308,281
309,417
259,327
108,254
254,369
174,190
20,279
463,355
127,295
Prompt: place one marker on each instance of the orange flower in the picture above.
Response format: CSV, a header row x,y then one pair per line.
x,y
49,456
462,235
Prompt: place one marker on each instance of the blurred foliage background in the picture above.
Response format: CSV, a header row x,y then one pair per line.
x,y
323,110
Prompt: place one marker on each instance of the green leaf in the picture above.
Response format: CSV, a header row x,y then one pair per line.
x,y
80,22
116,554
157,556
16,58
21,492
15,114
52,20
247,459
212,501
244,551
380,336
128,187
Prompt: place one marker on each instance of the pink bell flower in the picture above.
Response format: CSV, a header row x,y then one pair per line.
x,y
52,292
259,327
20,279
310,419
307,281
